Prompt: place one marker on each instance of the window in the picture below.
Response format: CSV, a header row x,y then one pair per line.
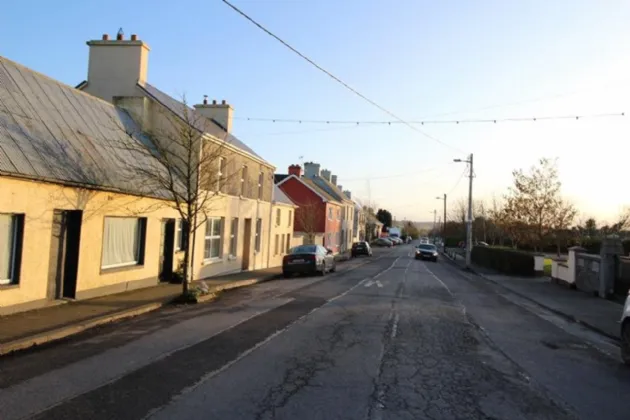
x,y
330,213
221,174
181,235
278,217
11,232
244,181
282,247
233,236
290,222
258,239
261,180
214,233
123,241
277,244
338,214
288,242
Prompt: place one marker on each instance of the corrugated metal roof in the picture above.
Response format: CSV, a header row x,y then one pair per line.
x,y
280,197
53,132
178,108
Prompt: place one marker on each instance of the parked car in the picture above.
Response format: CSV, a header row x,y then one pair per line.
x,y
383,242
395,240
308,259
625,332
424,240
426,252
361,248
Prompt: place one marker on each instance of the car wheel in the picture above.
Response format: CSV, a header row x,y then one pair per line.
x,y
333,268
625,343
286,275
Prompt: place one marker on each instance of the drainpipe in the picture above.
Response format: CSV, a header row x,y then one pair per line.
x,y
269,236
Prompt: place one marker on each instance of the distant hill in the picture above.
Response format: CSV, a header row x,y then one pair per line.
x,y
419,225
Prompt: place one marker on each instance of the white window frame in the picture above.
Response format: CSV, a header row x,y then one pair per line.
x,y
220,173
213,235
278,217
233,237
261,181
14,250
330,213
243,180
282,246
258,236
140,243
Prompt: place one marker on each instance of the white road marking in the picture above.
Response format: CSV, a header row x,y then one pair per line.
x,y
395,326
438,279
372,282
387,269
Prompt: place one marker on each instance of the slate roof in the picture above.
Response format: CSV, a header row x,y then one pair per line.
x,y
50,131
177,107
279,177
311,183
331,189
280,197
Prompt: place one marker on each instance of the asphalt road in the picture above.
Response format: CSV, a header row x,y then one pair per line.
x,y
384,338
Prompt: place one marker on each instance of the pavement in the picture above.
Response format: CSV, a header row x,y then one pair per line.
x,y
598,314
37,327
386,337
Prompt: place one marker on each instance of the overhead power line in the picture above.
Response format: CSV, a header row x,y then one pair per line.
x,y
335,78
423,122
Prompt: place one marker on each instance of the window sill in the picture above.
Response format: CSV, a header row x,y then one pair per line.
x,y
212,261
9,286
123,268
231,257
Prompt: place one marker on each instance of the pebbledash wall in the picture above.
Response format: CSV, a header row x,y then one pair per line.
x,y
36,202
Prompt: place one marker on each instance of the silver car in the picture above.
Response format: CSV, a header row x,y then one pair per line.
x,y
625,332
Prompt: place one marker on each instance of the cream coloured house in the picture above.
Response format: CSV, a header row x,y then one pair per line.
x,y
73,223
236,234
282,238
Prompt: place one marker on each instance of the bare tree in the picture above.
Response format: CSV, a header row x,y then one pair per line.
x,y
308,216
180,163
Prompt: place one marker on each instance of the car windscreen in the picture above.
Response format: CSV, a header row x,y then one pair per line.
x,y
304,249
427,247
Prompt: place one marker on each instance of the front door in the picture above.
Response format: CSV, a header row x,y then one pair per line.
x,y
64,254
247,239
167,248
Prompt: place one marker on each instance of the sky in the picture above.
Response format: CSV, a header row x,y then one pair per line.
x,y
420,60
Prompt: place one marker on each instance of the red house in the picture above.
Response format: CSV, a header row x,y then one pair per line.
x,y
318,217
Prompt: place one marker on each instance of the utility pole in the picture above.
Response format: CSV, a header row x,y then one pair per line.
x,y
469,161
444,220
434,220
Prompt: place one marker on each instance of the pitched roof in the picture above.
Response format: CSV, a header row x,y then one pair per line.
x,y
331,189
280,197
50,131
311,183
177,107
279,177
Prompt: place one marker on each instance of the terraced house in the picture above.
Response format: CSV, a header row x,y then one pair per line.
x,y
77,217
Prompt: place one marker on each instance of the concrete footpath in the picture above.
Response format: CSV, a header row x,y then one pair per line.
x,y
27,329
599,315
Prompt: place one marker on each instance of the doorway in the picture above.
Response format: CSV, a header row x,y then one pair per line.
x,y
64,254
167,249
247,239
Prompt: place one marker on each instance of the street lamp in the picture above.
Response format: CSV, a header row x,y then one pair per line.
x,y
469,161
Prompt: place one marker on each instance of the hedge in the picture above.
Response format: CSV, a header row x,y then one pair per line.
x,y
504,260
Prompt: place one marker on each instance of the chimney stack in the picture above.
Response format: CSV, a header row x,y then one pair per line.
x,y
326,174
348,194
333,179
340,187
311,169
115,66
220,113
295,170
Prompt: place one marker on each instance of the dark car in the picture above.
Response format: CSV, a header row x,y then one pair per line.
x,y
361,248
426,252
308,259
383,242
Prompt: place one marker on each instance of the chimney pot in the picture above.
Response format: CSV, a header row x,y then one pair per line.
x,y
223,102
134,37
119,37
205,99
105,37
214,102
